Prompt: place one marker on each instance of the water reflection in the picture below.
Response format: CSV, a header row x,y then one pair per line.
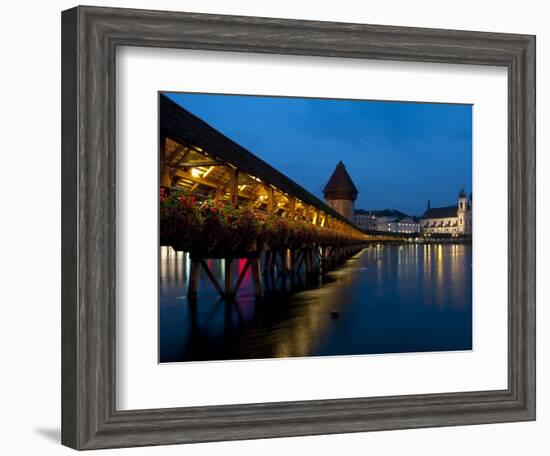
x,y
386,299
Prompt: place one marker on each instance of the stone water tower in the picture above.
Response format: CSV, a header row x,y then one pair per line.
x,y
341,193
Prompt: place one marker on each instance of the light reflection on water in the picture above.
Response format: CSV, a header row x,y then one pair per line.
x,y
387,299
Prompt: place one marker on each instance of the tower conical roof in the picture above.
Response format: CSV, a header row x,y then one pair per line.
x,y
462,193
340,185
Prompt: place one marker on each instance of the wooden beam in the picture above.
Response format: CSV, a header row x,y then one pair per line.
x,y
200,180
270,198
184,156
301,209
315,216
220,191
244,179
234,186
196,164
174,153
165,180
291,206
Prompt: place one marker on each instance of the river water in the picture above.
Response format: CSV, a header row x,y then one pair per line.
x,y
386,299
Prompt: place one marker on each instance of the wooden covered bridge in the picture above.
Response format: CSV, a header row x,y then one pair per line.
x,y
200,161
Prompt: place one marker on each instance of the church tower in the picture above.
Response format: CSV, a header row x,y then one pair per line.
x,y
341,193
461,212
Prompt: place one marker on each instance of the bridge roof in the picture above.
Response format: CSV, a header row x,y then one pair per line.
x,y
182,126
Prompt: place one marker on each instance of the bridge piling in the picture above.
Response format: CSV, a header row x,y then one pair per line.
x,y
257,277
194,274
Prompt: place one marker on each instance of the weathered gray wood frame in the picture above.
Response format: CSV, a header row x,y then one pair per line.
x,y
89,39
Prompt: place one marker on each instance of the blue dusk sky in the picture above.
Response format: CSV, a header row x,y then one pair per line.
x,y
398,154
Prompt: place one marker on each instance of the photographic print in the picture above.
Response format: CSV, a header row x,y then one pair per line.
x,y
306,227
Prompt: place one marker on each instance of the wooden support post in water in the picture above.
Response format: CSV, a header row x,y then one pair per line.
x,y
257,277
194,275
300,257
212,278
307,262
273,265
267,258
285,261
241,276
228,277
275,259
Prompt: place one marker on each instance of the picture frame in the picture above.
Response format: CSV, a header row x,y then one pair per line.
x,y
90,36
